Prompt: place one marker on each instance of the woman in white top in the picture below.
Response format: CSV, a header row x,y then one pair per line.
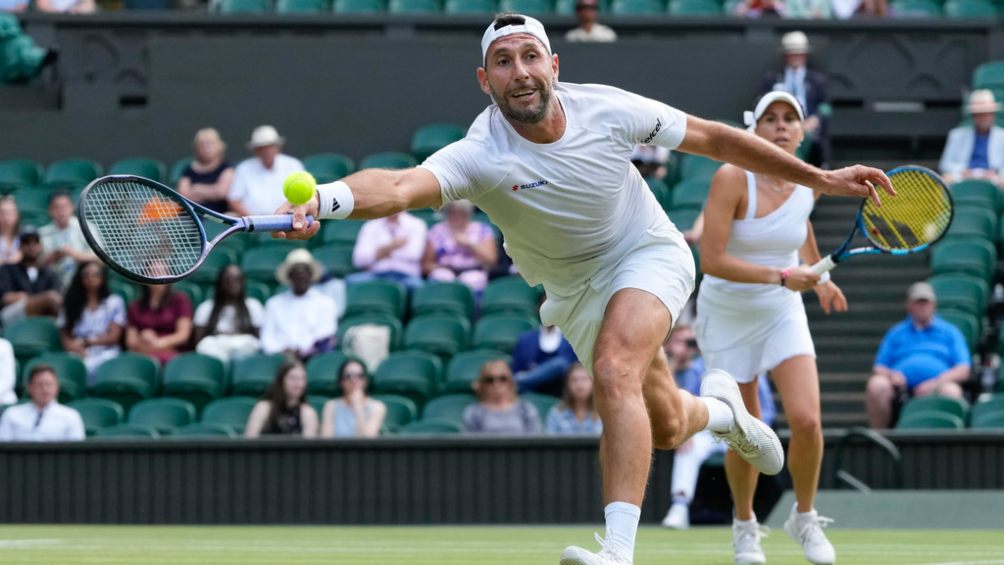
x,y
226,326
751,318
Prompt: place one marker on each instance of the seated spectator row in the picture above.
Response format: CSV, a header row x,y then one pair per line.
x,y
463,7
939,412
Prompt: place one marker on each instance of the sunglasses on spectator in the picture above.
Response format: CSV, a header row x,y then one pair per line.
x,y
354,375
492,379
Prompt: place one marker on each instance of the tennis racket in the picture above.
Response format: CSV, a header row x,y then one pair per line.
x,y
150,233
913,220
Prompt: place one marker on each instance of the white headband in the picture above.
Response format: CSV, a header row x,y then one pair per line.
x,y
531,26
750,118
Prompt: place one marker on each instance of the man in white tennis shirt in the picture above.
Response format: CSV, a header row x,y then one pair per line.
x,y
549,163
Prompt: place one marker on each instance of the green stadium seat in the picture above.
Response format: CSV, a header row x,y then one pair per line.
x,y
302,6
968,324
177,170
376,297
481,7
191,289
684,218
257,290
698,167
33,199
329,167
252,375
203,430
336,258
693,8
342,232
432,137
232,411
961,292
975,193
33,336
139,166
162,414
440,334
542,402
393,159
432,427
637,7
930,421
988,413
510,295
127,379
934,403
128,431
34,218
989,420
401,411
449,407
413,6
71,173
976,257
528,7
210,269
394,324
359,6
195,377
16,173
243,6
989,75
908,9
663,194
443,297
259,262
414,375
465,368
500,331
70,371
317,402
970,9
322,373
690,193
127,290
973,223
98,413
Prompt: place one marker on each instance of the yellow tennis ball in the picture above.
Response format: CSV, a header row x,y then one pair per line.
x,y
299,187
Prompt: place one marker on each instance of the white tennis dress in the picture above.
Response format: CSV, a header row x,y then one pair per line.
x,y
749,328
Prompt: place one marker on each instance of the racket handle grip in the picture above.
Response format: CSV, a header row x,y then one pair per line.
x,y
824,265
275,222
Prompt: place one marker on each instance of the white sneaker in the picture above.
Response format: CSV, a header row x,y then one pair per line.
x,y
746,542
574,555
750,438
678,517
808,531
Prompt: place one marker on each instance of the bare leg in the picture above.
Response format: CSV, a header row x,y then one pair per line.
x,y
797,381
878,401
675,414
742,476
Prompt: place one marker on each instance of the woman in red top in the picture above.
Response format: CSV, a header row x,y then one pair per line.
x,y
159,323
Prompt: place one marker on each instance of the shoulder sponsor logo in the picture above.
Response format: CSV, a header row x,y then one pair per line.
x,y
529,185
651,136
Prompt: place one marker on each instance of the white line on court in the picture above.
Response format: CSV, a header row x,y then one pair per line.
x,y
30,542
991,562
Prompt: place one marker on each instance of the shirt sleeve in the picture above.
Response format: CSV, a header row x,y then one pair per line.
x,y
117,306
75,427
182,306
270,331
202,313
531,417
471,421
552,425
885,351
239,186
256,311
6,427
456,167
651,122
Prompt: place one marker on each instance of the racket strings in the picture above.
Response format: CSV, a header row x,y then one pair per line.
x,y
142,229
919,214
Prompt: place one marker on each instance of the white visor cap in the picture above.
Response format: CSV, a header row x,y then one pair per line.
x,y
531,26
750,118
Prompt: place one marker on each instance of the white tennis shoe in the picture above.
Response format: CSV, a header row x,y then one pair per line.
x,y
678,517
746,543
750,438
574,555
808,531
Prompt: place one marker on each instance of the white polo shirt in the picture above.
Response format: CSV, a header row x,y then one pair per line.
x,y
260,189
570,207
55,422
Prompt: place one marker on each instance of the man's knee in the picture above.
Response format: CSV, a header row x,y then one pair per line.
x,y
615,378
879,387
951,390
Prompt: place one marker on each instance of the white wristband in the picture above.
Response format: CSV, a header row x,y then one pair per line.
x,y
824,278
336,200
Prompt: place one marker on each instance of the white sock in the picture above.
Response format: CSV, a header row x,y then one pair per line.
x,y
622,527
738,522
720,417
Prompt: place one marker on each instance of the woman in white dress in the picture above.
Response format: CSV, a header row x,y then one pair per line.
x,y
751,319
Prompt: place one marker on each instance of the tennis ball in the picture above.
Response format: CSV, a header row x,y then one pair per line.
x,y
299,187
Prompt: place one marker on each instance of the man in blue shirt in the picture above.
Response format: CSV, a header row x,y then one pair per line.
x,y
921,355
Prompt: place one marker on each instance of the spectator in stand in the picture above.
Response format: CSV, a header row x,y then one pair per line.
x,y
845,9
301,321
460,249
62,239
499,409
808,10
354,414
8,368
688,367
541,359
390,248
575,414
257,186
29,288
651,161
93,318
159,323
207,179
760,8
976,151
809,88
10,228
919,356
44,418
227,325
284,409
66,6
13,6
590,29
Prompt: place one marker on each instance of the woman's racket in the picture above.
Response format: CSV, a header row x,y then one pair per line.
x,y
917,217
150,233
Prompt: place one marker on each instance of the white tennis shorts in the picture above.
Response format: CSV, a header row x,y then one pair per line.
x,y
660,263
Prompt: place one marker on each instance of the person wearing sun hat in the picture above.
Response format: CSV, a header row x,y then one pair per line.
x,y
254,188
976,150
300,321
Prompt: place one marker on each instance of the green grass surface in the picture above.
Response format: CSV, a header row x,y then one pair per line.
x,y
461,545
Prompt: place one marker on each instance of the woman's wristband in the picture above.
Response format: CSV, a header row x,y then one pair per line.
x,y
785,273
824,278
335,200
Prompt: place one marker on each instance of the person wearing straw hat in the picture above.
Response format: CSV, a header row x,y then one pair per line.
x,y
255,180
302,320
976,150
